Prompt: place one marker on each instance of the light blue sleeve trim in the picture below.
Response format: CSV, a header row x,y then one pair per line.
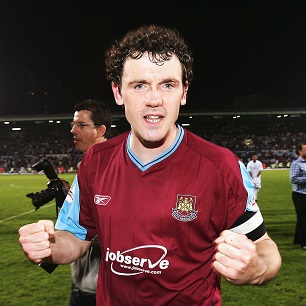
x,y
251,204
68,218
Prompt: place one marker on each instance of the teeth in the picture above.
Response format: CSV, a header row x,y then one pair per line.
x,y
153,119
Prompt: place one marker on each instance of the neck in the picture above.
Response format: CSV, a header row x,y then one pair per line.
x,y
146,150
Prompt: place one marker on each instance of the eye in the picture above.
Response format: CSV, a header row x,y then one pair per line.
x,y
80,125
168,85
139,86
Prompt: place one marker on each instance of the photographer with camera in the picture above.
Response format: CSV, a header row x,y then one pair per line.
x,y
91,124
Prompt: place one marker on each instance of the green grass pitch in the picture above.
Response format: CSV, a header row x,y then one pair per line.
x,y
22,283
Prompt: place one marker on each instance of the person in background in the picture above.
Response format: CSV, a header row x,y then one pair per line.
x,y
298,181
254,167
172,211
91,125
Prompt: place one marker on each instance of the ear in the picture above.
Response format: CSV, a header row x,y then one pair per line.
x,y
184,97
101,130
117,94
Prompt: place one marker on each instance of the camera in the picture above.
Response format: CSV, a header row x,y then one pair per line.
x,y
55,185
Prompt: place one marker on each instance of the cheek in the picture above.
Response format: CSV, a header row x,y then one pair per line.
x,y
128,115
90,137
174,107
130,111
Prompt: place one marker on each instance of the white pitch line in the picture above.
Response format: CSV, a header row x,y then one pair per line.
x,y
16,186
28,212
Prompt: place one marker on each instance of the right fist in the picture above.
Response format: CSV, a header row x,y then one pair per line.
x,y
35,240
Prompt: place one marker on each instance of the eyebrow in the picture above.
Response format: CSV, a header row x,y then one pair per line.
x,y
143,81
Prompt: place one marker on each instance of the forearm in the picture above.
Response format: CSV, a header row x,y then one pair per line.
x,y
269,261
65,248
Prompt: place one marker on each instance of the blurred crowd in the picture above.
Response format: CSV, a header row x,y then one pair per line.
x,y
26,147
274,141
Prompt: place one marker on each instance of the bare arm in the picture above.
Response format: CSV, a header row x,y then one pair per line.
x,y
40,242
243,261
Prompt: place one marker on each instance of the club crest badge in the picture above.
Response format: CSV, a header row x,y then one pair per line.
x,y
185,208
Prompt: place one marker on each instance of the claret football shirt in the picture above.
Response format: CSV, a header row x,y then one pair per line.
x,y
157,222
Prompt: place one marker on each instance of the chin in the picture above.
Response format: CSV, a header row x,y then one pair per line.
x,y
153,142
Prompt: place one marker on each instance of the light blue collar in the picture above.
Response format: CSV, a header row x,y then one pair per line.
x,y
159,158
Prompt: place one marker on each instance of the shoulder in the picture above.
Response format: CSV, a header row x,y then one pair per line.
x,y
108,145
111,143
105,150
211,152
202,145
296,161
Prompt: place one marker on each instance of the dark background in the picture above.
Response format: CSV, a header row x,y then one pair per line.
x,y
248,54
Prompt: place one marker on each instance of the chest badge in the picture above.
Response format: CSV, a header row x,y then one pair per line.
x,y
185,208
101,199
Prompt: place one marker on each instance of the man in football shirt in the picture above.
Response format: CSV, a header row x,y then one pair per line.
x,y
172,211
254,167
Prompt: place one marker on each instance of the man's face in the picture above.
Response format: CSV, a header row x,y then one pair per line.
x,y
254,158
85,134
303,152
151,95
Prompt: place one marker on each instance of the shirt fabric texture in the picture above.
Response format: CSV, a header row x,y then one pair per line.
x,y
157,222
298,175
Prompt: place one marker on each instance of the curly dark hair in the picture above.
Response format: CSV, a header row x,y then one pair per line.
x,y
160,43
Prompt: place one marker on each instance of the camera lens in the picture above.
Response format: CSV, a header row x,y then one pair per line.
x,y
42,197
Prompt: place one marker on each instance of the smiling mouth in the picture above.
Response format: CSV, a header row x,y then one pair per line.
x,y
153,119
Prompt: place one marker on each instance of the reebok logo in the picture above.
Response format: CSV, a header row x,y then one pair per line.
x,y
101,199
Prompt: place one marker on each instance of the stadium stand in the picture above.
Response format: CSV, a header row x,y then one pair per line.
x,y
24,141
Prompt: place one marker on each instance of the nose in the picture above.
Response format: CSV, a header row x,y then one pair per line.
x,y
154,98
73,129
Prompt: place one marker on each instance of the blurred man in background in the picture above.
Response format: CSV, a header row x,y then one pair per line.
x,y
91,124
254,167
298,180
